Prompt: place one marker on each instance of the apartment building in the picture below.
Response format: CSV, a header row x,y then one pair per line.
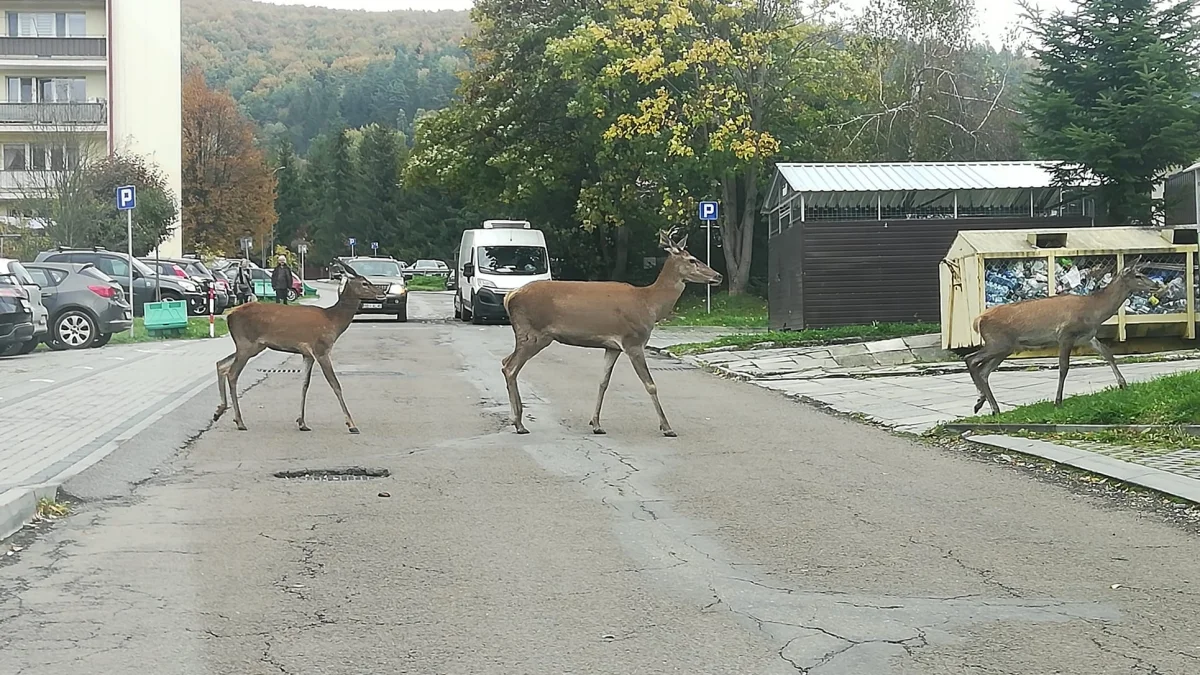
x,y
87,76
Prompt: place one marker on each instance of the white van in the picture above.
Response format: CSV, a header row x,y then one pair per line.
x,y
493,261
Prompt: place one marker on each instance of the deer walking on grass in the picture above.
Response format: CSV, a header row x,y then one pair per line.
x,y
612,316
293,329
1064,320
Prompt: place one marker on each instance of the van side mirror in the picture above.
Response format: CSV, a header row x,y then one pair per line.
x,y
468,270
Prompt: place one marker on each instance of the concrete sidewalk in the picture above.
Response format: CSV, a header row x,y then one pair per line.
x,y
61,412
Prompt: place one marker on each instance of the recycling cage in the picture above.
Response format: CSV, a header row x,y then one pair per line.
x,y
168,315
985,268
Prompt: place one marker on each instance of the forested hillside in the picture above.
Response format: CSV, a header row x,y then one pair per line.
x,y
305,70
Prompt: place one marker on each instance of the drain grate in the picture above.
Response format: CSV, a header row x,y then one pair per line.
x,y
350,473
672,367
296,371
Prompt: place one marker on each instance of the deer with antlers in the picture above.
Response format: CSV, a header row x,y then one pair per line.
x,y
293,329
613,316
1067,321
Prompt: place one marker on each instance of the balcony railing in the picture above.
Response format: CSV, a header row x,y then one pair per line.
x,y
53,113
50,47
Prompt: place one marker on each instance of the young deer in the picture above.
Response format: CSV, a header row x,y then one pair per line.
x,y
293,329
1064,320
612,316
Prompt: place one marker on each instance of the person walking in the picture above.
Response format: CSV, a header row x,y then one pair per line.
x,y
281,280
244,282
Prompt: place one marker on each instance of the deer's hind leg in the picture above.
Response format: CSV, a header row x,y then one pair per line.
x,y
527,347
241,358
980,365
222,375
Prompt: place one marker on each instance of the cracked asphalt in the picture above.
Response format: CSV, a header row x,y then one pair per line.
x,y
768,538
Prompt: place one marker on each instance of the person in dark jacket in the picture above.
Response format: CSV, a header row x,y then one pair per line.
x,y
244,283
281,280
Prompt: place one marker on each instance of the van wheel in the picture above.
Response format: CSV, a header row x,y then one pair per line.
x,y
464,313
457,312
475,318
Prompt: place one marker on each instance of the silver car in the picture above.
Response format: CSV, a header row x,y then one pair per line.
x,y
13,272
86,305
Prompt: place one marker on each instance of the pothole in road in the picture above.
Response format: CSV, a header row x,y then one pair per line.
x,y
348,473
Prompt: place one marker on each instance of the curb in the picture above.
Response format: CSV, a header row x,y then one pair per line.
x,y
19,504
1191,429
1155,479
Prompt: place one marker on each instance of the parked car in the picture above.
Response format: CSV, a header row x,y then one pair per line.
x,y
427,268
386,275
16,319
452,280
147,286
86,305
195,271
12,272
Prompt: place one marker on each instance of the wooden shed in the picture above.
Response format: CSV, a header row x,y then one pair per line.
x,y
858,243
986,268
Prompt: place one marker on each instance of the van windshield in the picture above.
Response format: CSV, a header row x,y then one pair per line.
x,y
512,260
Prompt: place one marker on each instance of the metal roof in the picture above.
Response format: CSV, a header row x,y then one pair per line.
x,y
916,176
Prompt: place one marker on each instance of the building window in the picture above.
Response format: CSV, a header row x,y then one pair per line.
x,y
48,90
37,157
20,90
14,157
47,24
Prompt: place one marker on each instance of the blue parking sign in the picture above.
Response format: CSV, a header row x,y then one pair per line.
x,y
708,211
126,197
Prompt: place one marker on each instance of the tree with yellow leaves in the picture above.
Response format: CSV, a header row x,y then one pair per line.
x,y
706,93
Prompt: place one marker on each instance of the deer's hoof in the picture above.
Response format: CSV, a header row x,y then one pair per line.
x,y
220,411
598,431
354,430
522,430
241,427
670,434
304,427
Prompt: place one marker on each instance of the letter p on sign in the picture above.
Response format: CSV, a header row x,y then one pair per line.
x,y
708,211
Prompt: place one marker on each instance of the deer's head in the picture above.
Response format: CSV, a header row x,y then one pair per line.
x,y
356,285
685,264
1134,279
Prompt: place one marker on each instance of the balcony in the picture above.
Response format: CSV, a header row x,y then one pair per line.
x,y
52,47
57,114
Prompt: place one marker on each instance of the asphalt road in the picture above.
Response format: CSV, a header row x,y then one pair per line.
x,y
767,538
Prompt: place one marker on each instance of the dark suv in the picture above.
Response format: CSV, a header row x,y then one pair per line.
x,y
145,281
194,270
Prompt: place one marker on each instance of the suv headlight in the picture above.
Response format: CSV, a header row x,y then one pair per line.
x,y
188,286
398,289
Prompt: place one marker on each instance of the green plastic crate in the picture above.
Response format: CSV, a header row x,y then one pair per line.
x,y
262,288
166,315
309,291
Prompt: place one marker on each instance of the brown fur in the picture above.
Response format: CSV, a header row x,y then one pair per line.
x,y
613,316
1064,320
294,329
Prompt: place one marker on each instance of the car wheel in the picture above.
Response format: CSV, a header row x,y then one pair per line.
x,y
73,330
28,347
292,295
403,315
102,340
475,318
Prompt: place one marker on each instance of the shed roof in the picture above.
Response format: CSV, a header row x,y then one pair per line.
x,y
1129,239
916,176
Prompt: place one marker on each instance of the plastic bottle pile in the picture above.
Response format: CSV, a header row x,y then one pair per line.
x,y
1008,281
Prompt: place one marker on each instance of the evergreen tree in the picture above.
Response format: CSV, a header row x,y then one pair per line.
x,y
379,198
289,196
1114,96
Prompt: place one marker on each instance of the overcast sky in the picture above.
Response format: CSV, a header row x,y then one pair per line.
x,y
995,16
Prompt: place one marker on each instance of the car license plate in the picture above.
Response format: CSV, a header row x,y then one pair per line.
x,y
372,305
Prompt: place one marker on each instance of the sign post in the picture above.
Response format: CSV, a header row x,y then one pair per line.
x,y
352,242
708,214
303,248
126,201
374,247
212,328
